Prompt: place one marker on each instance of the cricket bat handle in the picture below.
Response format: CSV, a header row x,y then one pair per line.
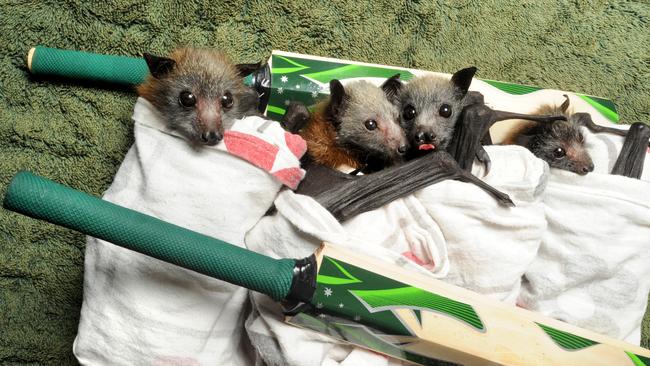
x,y
44,199
87,66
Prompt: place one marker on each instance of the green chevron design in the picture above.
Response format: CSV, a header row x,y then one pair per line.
x,y
516,89
295,66
409,296
605,107
304,79
333,297
418,314
365,297
355,71
639,360
336,280
568,341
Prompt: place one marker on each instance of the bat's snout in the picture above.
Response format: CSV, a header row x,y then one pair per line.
x,y
211,137
586,169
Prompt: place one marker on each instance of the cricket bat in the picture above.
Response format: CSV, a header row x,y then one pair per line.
x,y
339,292
288,77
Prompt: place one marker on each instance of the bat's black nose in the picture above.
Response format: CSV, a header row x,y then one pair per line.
x,y
211,138
425,137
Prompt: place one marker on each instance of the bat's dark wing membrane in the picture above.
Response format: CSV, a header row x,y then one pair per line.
x,y
632,156
354,195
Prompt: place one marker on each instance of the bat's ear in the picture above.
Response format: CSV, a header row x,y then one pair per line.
x,y
474,97
565,104
246,69
337,97
462,79
159,67
582,119
391,87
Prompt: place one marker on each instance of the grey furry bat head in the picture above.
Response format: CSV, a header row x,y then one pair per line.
x,y
430,106
366,122
561,143
199,92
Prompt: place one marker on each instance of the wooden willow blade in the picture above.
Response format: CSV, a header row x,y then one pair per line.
x,y
341,293
413,317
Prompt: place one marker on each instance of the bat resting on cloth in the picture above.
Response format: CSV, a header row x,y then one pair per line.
x,y
473,127
347,195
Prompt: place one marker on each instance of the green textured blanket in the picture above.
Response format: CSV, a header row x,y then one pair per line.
x,y
78,134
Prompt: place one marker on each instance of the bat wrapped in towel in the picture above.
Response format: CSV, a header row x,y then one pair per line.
x,y
403,315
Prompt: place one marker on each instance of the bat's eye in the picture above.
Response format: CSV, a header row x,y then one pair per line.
x,y
559,153
409,112
187,99
226,100
370,124
581,139
445,110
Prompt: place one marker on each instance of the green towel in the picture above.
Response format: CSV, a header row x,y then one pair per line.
x,y
78,134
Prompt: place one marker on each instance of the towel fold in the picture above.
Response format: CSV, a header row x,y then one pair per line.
x,y
593,267
141,311
453,231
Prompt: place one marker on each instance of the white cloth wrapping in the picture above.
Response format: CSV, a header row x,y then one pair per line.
x,y
450,230
141,311
593,268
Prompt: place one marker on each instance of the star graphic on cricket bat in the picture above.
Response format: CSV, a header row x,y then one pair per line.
x,y
284,79
327,292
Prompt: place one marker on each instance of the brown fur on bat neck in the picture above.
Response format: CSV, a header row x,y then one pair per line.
x,y
356,127
346,195
320,135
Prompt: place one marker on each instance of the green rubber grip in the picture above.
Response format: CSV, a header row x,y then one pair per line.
x,y
44,199
87,66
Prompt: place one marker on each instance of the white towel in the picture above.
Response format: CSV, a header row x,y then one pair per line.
x,y
593,268
141,311
451,230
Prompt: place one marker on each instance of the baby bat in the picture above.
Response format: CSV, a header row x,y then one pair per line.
x,y
472,130
430,106
346,195
560,143
357,126
199,92
442,114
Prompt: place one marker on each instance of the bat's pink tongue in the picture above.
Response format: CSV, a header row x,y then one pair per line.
x,y
427,147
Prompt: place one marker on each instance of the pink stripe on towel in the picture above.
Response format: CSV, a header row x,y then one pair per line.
x,y
248,147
